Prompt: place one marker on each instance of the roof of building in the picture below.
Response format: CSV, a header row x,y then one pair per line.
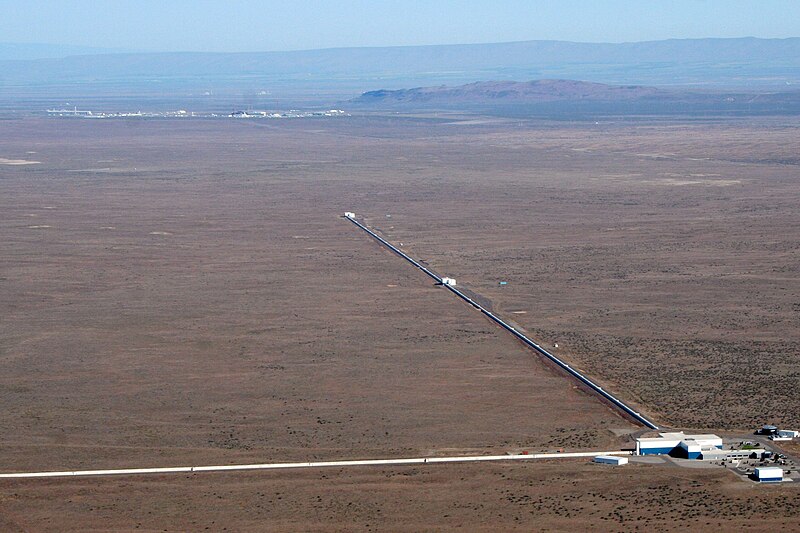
x,y
677,436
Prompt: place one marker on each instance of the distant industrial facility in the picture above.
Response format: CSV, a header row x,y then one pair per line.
x,y
74,112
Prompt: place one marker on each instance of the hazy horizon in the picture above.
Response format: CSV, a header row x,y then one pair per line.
x,y
102,50
246,26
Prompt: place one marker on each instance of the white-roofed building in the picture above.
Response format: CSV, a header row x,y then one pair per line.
x,y
678,444
611,460
768,474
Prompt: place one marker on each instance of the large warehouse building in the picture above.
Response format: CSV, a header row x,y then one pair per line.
x,y
678,444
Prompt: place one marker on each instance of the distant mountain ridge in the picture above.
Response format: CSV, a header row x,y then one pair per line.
x,y
653,62
571,98
326,77
508,91
32,51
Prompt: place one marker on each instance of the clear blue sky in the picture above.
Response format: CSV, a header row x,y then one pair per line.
x,y
250,25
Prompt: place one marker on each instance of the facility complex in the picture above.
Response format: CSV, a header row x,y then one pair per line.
x,y
707,447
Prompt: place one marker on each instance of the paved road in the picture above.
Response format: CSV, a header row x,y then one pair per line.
x,y
619,404
319,464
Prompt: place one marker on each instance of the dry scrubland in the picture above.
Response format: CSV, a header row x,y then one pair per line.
x,y
664,259
183,292
562,496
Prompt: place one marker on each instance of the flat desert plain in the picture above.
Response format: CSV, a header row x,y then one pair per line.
x,y
186,292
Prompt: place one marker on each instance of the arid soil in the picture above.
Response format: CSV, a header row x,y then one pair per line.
x,y
186,293
555,496
663,259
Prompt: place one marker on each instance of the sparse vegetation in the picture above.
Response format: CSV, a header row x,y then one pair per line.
x,y
670,277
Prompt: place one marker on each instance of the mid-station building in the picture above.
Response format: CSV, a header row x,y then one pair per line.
x,y
611,460
449,281
678,445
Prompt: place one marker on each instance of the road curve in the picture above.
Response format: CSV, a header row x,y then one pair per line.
x,y
619,404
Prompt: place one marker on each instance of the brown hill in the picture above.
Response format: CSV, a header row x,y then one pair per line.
x,y
510,91
575,99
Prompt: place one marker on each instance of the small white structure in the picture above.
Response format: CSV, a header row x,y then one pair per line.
x,y
769,474
611,460
449,281
787,434
349,214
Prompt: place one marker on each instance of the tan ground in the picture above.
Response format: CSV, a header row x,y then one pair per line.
x,y
211,307
685,298
562,496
